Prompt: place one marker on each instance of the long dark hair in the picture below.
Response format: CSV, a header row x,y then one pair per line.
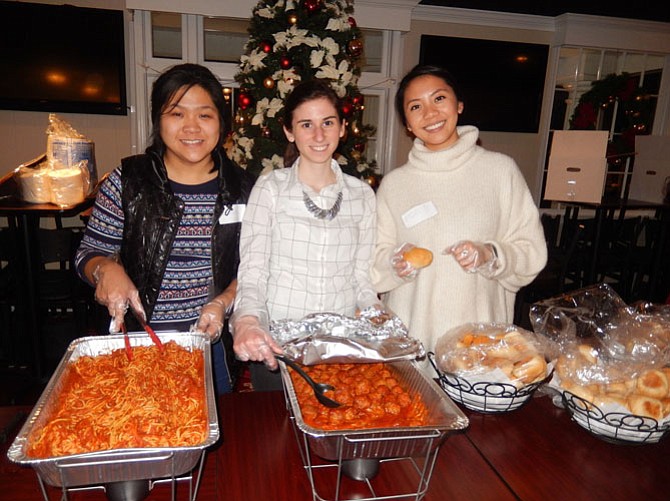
x,y
303,92
419,71
170,83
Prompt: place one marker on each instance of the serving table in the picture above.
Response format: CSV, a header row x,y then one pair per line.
x,y
533,453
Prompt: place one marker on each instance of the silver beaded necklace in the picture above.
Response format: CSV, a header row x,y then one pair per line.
x,y
320,213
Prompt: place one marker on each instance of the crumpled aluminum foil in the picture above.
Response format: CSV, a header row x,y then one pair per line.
x,y
333,338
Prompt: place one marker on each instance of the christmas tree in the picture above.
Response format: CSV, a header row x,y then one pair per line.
x,y
292,41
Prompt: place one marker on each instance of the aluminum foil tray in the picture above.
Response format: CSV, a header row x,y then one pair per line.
x,y
118,464
444,417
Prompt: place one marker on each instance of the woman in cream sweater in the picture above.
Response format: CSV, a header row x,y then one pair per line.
x,y
471,207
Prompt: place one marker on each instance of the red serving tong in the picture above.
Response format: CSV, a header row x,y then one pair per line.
x,y
149,330
126,342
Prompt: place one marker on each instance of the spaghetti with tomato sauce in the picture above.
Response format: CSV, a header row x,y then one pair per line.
x,y
108,402
371,396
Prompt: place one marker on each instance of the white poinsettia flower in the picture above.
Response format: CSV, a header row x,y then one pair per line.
x,y
290,4
362,167
253,60
339,76
270,164
265,12
286,80
264,108
275,107
236,154
330,46
316,58
342,160
338,24
245,144
293,37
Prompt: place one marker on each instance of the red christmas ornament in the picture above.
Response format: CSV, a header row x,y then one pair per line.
x,y
311,6
359,100
347,108
355,47
285,62
266,46
352,22
244,100
359,147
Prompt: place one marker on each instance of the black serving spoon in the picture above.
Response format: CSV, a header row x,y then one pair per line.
x,y
320,389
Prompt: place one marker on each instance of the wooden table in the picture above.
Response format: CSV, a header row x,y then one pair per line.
x,y
25,219
533,453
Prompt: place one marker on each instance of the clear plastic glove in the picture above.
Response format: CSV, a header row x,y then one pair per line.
x,y
253,342
211,318
473,257
402,268
377,313
115,290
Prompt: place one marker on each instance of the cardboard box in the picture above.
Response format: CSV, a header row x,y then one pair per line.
x,y
651,170
577,166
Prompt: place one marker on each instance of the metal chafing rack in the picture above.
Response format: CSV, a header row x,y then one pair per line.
x,y
359,454
123,468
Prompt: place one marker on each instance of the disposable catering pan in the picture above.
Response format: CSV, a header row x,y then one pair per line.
x,y
116,465
444,417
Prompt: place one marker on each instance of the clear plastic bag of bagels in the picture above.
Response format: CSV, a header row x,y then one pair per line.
x,y
495,352
596,315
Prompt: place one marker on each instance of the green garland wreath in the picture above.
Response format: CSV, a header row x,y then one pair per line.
x,y
634,109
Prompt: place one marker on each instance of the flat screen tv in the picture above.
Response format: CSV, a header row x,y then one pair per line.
x,y
62,58
501,82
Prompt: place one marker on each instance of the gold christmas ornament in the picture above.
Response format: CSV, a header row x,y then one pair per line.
x,y
292,17
268,83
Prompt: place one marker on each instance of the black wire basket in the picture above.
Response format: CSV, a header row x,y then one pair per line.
x,y
614,427
482,396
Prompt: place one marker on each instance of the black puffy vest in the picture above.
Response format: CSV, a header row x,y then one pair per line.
x,y
152,214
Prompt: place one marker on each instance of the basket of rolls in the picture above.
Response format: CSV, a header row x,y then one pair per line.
x,y
613,377
490,367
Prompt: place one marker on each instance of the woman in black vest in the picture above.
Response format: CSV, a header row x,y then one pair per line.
x,y
163,235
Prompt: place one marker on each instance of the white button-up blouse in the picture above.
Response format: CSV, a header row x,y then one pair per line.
x,y
291,262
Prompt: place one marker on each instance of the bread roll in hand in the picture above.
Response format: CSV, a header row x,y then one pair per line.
x,y
418,257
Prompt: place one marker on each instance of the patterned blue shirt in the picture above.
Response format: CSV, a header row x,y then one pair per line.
x,y
188,277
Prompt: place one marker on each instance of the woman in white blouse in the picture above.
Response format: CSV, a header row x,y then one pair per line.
x,y
308,235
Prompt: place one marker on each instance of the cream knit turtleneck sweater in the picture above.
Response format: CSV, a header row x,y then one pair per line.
x,y
476,195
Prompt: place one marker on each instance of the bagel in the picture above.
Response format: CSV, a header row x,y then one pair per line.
x,y
604,399
418,257
620,388
652,383
641,405
530,369
503,364
585,392
666,406
588,352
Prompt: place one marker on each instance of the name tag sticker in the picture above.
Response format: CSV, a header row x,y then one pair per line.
x,y
232,214
418,214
